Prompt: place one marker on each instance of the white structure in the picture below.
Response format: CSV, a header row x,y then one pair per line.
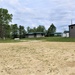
x,y
39,35
65,34
16,39
30,36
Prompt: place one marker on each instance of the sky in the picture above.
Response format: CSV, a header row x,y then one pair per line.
x,y
41,12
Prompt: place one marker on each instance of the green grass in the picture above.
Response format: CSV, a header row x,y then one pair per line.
x,y
50,39
9,41
53,39
60,39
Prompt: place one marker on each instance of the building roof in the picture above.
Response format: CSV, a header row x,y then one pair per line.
x,y
32,33
57,33
72,25
66,31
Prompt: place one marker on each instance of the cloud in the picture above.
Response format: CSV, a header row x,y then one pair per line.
x,y
38,12
1,0
14,2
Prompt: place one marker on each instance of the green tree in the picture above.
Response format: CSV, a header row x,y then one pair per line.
x,y
34,29
5,18
7,31
51,30
22,31
41,28
14,31
28,29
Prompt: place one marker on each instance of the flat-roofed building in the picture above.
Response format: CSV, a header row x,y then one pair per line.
x,y
35,34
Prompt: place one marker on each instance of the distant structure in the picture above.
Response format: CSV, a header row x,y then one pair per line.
x,y
65,34
58,34
35,35
72,30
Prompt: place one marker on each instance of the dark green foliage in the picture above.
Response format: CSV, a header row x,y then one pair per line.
x,y
5,18
28,29
41,28
34,29
7,31
51,30
22,32
14,31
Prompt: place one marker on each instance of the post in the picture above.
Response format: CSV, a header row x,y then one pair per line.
x,y
71,21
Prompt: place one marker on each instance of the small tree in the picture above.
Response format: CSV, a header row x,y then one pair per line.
x,y
14,31
34,29
41,28
28,29
51,30
7,31
22,32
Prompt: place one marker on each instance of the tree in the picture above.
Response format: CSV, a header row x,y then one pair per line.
x,y
28,29
5,18
14,31
7,31
51,30
22,31
41,28
34,29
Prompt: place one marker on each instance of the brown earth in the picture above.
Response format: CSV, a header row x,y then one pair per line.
x,y
37,58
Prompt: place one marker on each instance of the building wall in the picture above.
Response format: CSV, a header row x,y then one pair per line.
x,y
65,35
39,35
30,36
72,31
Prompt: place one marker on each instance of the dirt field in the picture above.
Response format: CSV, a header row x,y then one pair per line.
x,y
37,58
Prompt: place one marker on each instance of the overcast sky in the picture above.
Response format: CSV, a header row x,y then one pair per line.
x,y
41,12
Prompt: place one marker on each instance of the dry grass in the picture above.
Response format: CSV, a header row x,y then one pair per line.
x,y
37,58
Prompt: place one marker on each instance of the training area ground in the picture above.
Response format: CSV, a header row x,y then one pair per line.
x,y
37,58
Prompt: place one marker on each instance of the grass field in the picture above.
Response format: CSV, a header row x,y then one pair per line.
x,y
8,41
53,39
49,39
36,57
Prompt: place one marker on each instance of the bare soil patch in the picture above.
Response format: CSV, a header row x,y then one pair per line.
x,y
37,58
71,63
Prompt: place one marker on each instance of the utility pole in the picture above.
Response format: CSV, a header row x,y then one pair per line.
x,y
71,22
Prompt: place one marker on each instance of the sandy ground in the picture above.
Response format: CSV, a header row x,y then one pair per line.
x,y
37,58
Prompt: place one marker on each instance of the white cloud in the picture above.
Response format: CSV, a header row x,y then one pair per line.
x,y
35,12
1,0
14,2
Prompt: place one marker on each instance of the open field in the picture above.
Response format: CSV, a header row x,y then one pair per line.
x,y
37,58
53,39
50,39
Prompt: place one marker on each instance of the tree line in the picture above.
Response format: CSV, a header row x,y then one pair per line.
x,y
8,30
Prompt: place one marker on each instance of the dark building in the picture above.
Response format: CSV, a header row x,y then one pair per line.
x,y
35,34
72,30
58,34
